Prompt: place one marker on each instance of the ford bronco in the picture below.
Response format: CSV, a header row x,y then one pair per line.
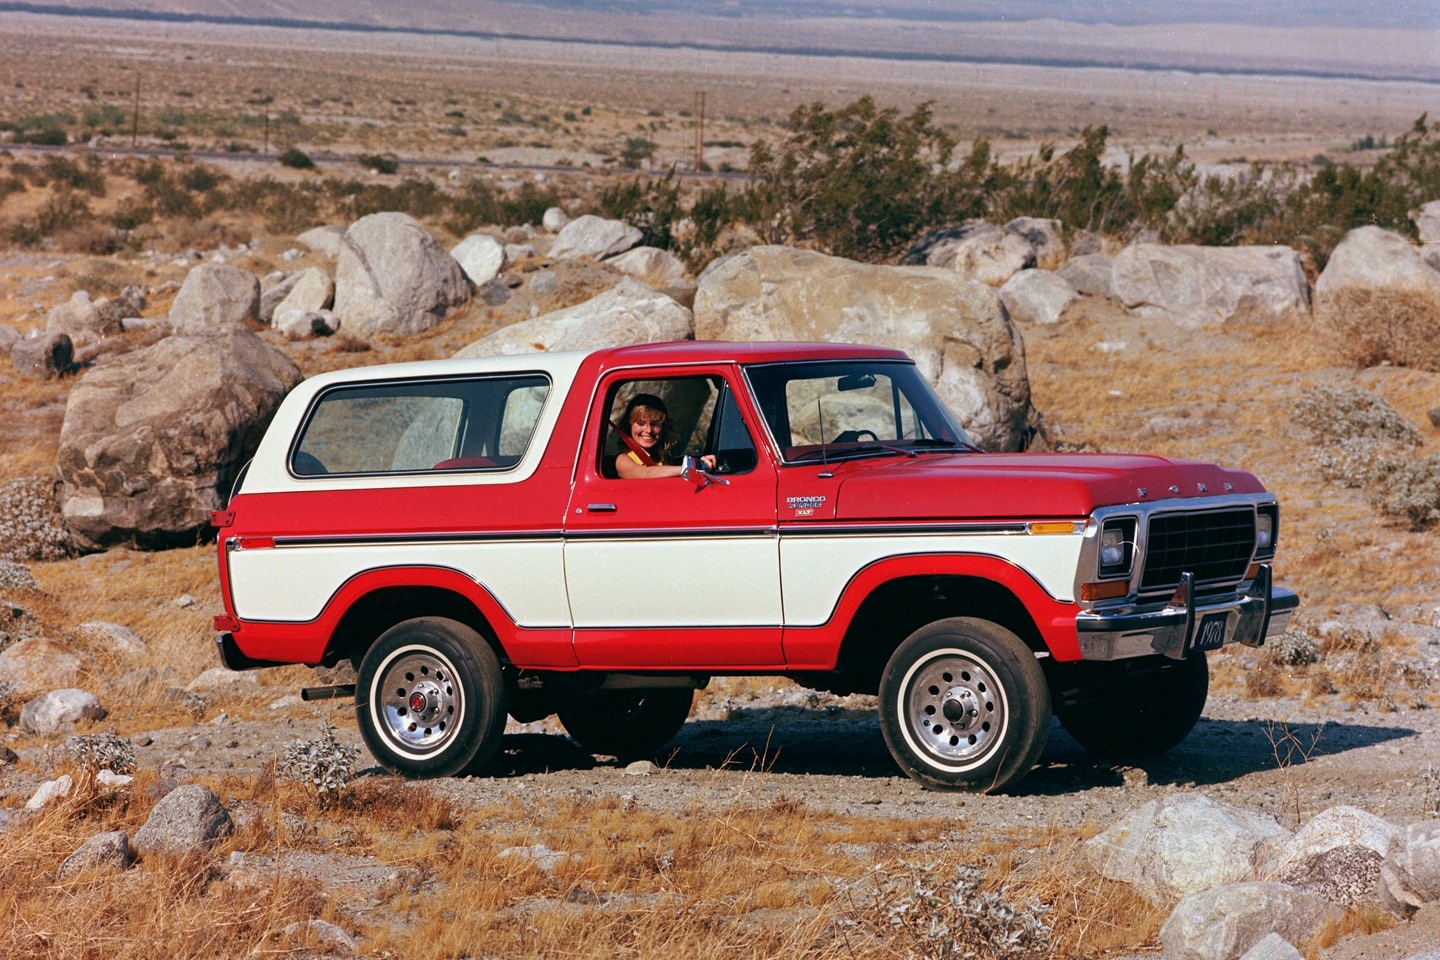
x,y
456,530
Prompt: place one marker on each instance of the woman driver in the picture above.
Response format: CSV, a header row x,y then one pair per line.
x,y
649,426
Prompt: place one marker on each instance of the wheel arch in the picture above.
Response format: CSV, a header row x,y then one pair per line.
x,y
890,600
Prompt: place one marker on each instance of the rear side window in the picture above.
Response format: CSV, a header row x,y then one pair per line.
x,y
419,426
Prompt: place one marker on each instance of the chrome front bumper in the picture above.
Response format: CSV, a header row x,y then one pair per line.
x,y
1183,626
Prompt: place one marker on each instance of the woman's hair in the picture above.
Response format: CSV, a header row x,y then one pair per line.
x,y
650,402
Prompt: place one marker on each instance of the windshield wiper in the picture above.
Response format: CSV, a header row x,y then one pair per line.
x,y
935,442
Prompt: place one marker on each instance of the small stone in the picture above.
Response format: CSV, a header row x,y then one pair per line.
x,y
641,768
49,792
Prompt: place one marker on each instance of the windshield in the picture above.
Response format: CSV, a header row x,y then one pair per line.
x,y
851,408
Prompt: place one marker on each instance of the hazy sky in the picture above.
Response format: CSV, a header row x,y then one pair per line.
x,y
1338,13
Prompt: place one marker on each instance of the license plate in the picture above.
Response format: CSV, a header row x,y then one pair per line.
x,y
1211,633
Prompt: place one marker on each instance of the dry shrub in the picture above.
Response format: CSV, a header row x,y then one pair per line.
x,y
1395,326
30,524
1265,680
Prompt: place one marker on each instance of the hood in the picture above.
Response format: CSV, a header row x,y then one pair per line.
x,y
1022,485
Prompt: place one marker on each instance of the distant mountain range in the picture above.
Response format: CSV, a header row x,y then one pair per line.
x,y
1390,40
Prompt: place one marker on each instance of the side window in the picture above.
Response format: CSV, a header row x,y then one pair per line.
x,y
463,424
701,417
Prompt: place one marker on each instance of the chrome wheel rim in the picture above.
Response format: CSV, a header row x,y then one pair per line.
x,y
419,700
954,708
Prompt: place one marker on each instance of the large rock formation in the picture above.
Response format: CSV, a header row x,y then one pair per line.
x,y
481,256
393,278
1224,923
1193,286
1380,301
214,295
629,313
152,440
1177,846
955,329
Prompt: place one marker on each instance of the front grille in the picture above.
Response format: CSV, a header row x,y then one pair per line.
x,y
1214,545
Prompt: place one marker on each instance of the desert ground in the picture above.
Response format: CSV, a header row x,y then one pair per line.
x,y
772,802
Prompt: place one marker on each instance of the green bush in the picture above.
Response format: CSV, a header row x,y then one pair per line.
x,y
380,163
297,159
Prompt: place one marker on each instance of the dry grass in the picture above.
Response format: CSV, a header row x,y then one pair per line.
x,y
736,876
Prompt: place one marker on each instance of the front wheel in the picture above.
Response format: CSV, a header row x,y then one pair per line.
x,y
964,706
430,698
626,723
1143,710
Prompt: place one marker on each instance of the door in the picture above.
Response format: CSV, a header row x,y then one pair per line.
x,y
667,572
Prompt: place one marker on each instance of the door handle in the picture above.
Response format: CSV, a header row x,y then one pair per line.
x,y
600,507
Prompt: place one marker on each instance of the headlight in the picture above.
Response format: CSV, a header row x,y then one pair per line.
x,y
1117,547
1267,522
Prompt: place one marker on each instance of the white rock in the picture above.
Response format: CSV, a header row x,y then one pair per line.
x,y
659,269
481,256
60,709
1193,286
554,219
1180,845
1225,922
629,313
594,237
1037,297
114,636
49,792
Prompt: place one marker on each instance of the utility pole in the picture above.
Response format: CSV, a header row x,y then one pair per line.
x,y
699,131
135,121
267,131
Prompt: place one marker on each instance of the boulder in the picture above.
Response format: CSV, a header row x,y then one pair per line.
x,y
81,320
594,237
629,313
955,329
554,219
1193,286
1226,922
1380,301
273,290
393,278
1337,855
1046,237
309,290
1179,845
152,440
327,241
1092,274
658,269
59,710
36,664
44,357
215,295
1037,297
104,851
1410,875
977,250
304,324
188,817
481,256
1427,225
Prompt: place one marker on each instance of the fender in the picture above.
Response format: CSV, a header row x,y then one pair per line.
x,y
307,642
818,648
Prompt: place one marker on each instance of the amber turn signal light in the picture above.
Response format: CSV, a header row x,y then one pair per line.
x,y
1108,590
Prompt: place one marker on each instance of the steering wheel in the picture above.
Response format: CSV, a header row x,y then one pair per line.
x,y
856,436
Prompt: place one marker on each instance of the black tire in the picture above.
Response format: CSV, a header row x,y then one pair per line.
x,y
964,706
1143,710
625,723
430,698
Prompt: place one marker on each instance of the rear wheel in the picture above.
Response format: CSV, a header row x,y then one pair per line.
x,y
430,698
626,723
964,706
1141,712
